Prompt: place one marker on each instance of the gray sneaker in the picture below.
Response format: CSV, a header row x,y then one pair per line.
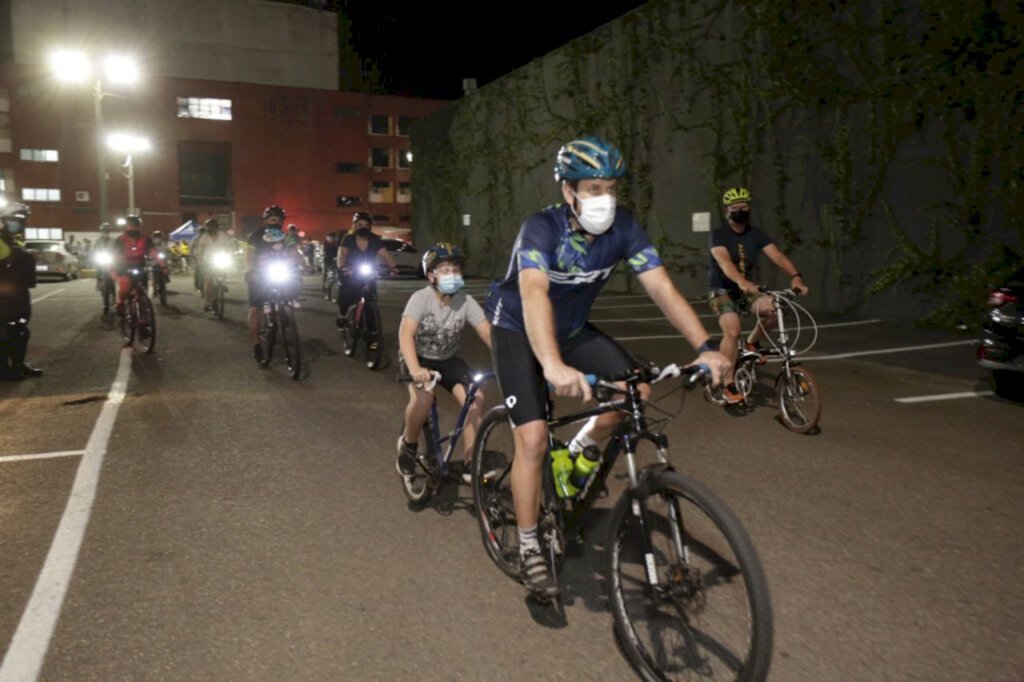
x,y
536,573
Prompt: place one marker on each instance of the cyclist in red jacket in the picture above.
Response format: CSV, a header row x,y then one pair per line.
x,y
130,252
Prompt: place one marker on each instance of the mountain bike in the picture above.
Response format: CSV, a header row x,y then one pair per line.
x,y
104,281
435,450
138,324
219,263
279,325
363,321
796,391
159,278
685,584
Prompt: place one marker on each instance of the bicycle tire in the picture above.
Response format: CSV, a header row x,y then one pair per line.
x,y
717,584
147,322
492,497
417,488
162,283
129,320
799,399
290,342
351,333
372,355
218,301
715,395
268,338
108,295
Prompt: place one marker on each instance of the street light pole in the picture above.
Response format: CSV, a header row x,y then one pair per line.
x,y
131,184
101,151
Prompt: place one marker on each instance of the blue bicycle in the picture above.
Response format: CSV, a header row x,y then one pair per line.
x,y
435,451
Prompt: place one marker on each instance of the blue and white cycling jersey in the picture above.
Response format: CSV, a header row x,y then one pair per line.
x,y
578,270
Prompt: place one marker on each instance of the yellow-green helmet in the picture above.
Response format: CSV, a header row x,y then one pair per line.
x,y
735,195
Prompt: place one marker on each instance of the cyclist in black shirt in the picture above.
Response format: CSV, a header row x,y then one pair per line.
x,y
359,247
735,247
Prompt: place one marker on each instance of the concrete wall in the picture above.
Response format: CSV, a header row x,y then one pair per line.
x,y
245,41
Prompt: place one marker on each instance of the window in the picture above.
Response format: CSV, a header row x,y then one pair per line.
x,y
348,167
405,218
39,194
41,155
403,124
378,218
44,233
349,201
404,157
404,192
380,125
380,158
381,192
341,112
204,172
204,107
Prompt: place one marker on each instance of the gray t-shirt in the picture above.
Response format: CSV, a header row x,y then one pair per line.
x,y
437,337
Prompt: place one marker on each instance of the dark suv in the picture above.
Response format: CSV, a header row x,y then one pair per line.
x,y
1001,348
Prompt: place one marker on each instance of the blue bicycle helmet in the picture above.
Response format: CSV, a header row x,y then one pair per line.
x,y
272,235
441,252
589,157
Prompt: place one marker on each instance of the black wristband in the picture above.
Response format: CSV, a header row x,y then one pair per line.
x,y
709,345
795,276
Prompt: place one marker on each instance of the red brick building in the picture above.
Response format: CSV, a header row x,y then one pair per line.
x,y
218,148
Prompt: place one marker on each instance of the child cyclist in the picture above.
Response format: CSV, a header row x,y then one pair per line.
x,y
428,338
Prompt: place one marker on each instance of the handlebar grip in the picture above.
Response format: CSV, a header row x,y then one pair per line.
x,y
591,379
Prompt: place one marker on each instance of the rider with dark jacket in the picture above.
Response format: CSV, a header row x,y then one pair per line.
x,y
17,276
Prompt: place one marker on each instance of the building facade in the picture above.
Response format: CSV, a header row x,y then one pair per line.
x,y
218,149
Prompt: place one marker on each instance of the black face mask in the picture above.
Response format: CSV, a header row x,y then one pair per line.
x,y
740,217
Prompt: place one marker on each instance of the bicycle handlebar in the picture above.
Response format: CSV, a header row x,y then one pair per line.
x,y
789,293
652,374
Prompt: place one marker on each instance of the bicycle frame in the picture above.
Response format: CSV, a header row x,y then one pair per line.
x,y
436,444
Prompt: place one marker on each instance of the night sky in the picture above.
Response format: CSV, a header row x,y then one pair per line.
x,y
427,48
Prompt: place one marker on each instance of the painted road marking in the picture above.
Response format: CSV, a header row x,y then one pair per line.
x,y
806,330
52,293
944,396
904,349
41,455
24,658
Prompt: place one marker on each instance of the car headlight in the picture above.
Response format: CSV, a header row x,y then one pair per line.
x,y
221,260
277,272
365,270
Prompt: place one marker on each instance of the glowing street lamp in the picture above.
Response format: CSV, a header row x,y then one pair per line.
x,y
128,144
71,66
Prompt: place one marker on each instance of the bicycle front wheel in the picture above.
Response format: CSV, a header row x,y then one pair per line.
x,y
290,341
492,490
417,488
218,301
268,338
686,587
799,399
373,349
146,333
351,333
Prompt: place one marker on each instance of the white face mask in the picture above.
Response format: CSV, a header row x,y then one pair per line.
x,y
596,213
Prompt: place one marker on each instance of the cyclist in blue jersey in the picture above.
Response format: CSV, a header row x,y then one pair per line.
x,y
539,314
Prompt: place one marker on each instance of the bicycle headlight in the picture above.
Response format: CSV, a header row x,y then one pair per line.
x,y
161,256
365,270
277,272
103,258
221,260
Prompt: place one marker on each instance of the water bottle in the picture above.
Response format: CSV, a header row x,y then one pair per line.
x,y
584,467
562,468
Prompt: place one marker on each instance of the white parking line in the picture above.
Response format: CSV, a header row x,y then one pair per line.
x,y
41,455
944,396
747,331
904,349
52,293
24,658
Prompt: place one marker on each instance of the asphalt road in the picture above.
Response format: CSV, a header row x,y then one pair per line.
x,y
244,526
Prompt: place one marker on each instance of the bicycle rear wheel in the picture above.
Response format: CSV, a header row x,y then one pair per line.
x,y
492,490
799,399
417,488
268,337
290,340
709,614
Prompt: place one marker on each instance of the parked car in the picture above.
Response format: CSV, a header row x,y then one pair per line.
x,y
406,256
53,258
1001,347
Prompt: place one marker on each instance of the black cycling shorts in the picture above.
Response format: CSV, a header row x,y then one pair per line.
x,y
454,371
521,378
